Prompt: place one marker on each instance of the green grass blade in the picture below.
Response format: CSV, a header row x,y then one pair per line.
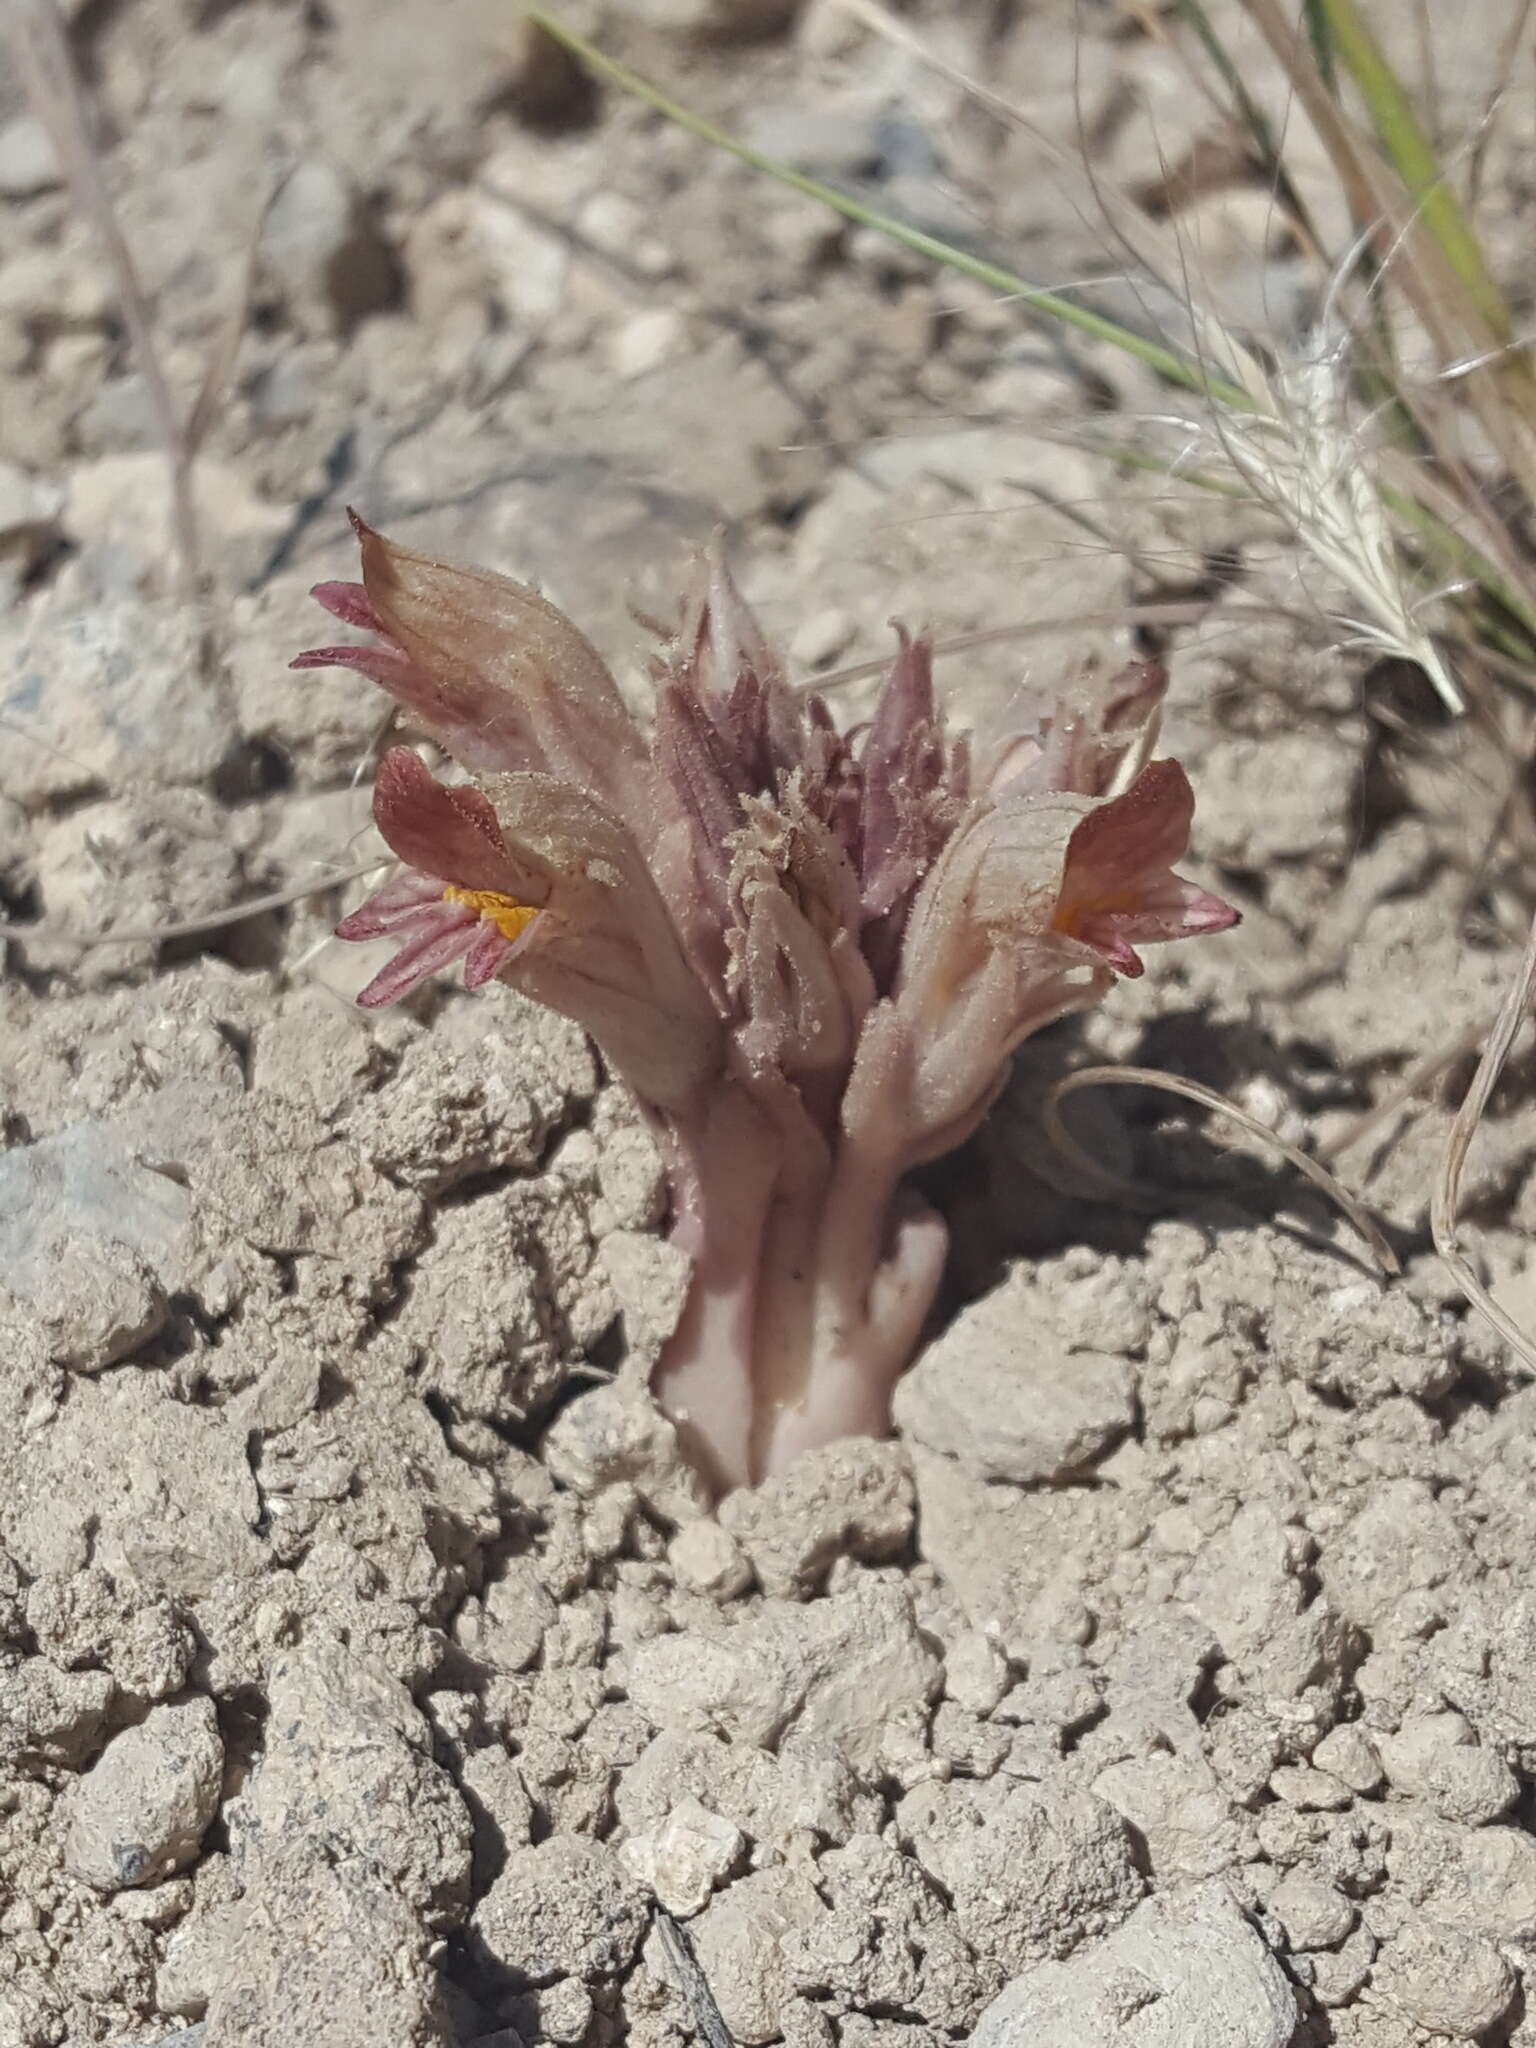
x,y
1452,553
1168,363
1321,38
1402,136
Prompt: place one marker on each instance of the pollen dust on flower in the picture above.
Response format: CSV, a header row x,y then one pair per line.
x,y
510,917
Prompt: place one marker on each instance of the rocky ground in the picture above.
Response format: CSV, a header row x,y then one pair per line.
x,y
370,1670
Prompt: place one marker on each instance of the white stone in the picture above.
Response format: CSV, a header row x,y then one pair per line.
x,y
1434,1757
975,1672
686,1857
1338,1974
1313,1914
125,501
650,1279
624,229
194,1956
105,694
347,1775
738,1940
616,1435
506,1628
55,286
1004,1391
849,1498
1348,1754
566,1907
1480,1879
28,164
645,340
1181,1810
1030,1868
1185,1971
1309,1791
708,1559
84,1228
529,264
839,1671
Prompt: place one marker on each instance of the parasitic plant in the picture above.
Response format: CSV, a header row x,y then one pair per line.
x,y
808,953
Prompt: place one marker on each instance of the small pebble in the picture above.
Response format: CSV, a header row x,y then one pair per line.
x,y
708,1559
1434,1757
1339,1974
689,1854
1348,1754
139,1813
621,228
28,164
1310,1791
645,341
1313,1914
975,1672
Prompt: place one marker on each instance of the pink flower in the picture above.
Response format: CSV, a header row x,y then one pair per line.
x,y
461,896
809,953
1118,888
499,677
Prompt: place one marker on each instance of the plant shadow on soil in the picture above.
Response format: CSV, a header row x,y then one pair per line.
x,y
1010,1193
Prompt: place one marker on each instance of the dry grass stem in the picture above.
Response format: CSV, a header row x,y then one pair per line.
x,y
226,344
41,45
1181,612
1195,1091
192,927
1294,446
692,1984
1423,1074
1446,1198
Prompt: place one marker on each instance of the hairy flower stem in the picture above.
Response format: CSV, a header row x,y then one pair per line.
x,y
878,1266
704,1377
808,1295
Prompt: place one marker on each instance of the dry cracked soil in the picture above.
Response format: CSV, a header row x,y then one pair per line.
x,y
372,1674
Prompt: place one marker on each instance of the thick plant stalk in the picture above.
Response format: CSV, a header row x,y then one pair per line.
x,y
721,1221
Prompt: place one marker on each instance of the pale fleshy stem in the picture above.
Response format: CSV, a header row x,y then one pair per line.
x,y
784,1346
724,1179
807,1299
848,1390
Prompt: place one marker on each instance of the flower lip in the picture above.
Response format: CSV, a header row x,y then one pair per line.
x,y
348,602
437,925
463,895
1119,889
448,831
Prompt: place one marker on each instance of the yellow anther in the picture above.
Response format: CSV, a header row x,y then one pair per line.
x,y
510,917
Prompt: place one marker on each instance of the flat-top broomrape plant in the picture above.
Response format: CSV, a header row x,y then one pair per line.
x,y
809,954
